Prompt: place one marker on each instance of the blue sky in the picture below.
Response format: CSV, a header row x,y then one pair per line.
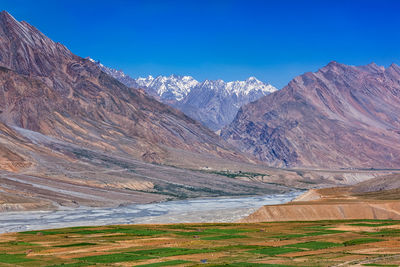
x,y
230,40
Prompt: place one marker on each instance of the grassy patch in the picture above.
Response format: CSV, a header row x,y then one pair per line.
x,y
272,251
222,237
143,255
75,245
316,227
373,224
78,264
20,243
116,257
378,221
167,252
315,245
165,263
385,232
381,265
13,258
193,233
322,232
250,264
202,232
235,247
361,241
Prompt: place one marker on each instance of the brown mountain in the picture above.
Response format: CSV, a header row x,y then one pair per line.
x,y
47,89
339,116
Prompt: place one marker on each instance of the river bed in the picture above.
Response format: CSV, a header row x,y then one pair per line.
x,y
182,211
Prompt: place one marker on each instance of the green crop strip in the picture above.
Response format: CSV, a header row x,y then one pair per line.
x,y
223,237
361,241
142,255
373,224
315,245
165,263
75,245
13,258
272,251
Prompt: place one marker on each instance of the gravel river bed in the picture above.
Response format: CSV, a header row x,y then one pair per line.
x,y
182,211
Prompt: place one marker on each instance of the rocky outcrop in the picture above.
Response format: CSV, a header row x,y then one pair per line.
x,y
386,182
340,116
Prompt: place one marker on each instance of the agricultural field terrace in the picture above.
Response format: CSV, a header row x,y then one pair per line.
x,y
316,243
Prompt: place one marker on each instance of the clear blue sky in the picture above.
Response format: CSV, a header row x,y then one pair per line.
x,y
231,40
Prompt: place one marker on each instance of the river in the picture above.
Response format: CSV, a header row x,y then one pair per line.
x,y
182,211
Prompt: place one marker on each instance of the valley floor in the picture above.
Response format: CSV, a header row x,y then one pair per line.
x,y
312,241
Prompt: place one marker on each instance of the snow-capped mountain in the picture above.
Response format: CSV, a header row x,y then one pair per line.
x,y
173,88
251,86
216,103
212,102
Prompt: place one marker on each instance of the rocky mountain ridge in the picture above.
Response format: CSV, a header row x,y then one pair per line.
x,y
44,84
340,116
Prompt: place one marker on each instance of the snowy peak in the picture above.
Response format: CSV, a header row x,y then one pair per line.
x,y
170,88
212,102
173,87
213,85
250,86
239,88
177,87
145,82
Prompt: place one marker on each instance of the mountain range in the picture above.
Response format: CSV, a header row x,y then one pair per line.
x,y
338,117
214,103
75,133
70,134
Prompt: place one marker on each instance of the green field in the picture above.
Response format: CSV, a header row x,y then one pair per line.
x,y
322,243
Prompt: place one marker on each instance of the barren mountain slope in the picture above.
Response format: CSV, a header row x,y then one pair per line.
x,y
339,116
47,89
